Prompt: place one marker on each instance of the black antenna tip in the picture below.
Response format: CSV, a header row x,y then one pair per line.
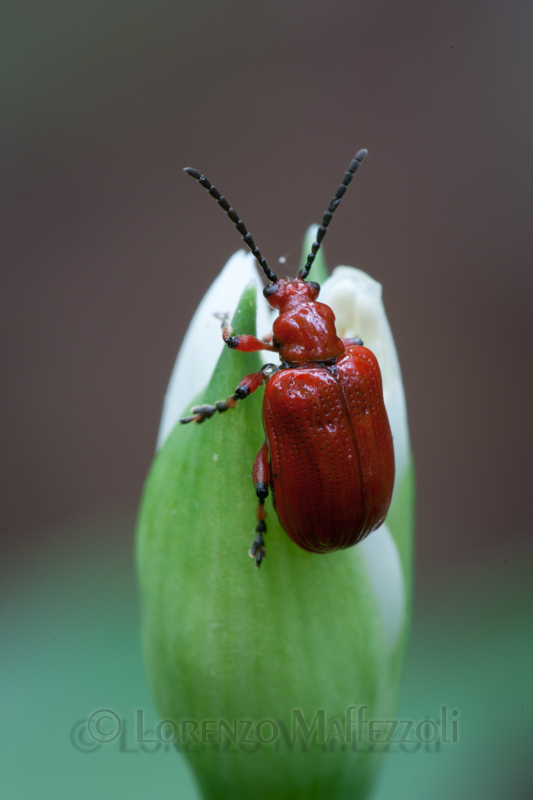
x,y
361,154
192,172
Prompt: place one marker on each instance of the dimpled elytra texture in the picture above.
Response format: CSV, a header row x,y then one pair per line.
x,y
332,460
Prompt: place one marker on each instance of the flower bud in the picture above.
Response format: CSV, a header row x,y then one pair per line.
x,y
271,676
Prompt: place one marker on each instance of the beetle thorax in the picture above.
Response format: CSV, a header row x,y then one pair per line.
x,y
305,329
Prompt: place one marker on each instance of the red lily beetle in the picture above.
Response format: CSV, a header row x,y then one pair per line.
x,y
328,455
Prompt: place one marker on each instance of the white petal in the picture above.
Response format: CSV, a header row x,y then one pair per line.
x,y
384,568
203,344
355,298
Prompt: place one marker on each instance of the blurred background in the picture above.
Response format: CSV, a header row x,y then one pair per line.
x,y
107,249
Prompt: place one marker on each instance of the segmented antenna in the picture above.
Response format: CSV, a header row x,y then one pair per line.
x,y
234,217
326,219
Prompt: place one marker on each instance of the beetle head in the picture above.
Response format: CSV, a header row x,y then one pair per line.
x,y
285,290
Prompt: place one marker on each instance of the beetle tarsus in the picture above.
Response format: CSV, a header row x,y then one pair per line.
x,y
257,549
186,420
227,331
201,413
224,317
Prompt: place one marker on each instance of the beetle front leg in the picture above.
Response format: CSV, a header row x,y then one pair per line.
x,y
250,383
260,475
244,343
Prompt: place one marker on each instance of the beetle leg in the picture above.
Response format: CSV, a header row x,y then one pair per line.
x,y
244,343
260,473
250,383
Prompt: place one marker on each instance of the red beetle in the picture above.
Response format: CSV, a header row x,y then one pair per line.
x,y
328,455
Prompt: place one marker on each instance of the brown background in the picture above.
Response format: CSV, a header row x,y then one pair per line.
x,y
108,247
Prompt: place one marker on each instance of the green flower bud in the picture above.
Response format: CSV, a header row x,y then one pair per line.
x,y
270,676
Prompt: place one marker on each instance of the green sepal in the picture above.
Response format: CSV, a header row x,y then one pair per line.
x,y
227,643
401,522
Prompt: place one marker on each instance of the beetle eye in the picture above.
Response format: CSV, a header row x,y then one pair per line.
x,y
316,286
268,291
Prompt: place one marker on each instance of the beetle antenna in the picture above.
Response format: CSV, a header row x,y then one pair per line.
x,y
328,216
234,217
